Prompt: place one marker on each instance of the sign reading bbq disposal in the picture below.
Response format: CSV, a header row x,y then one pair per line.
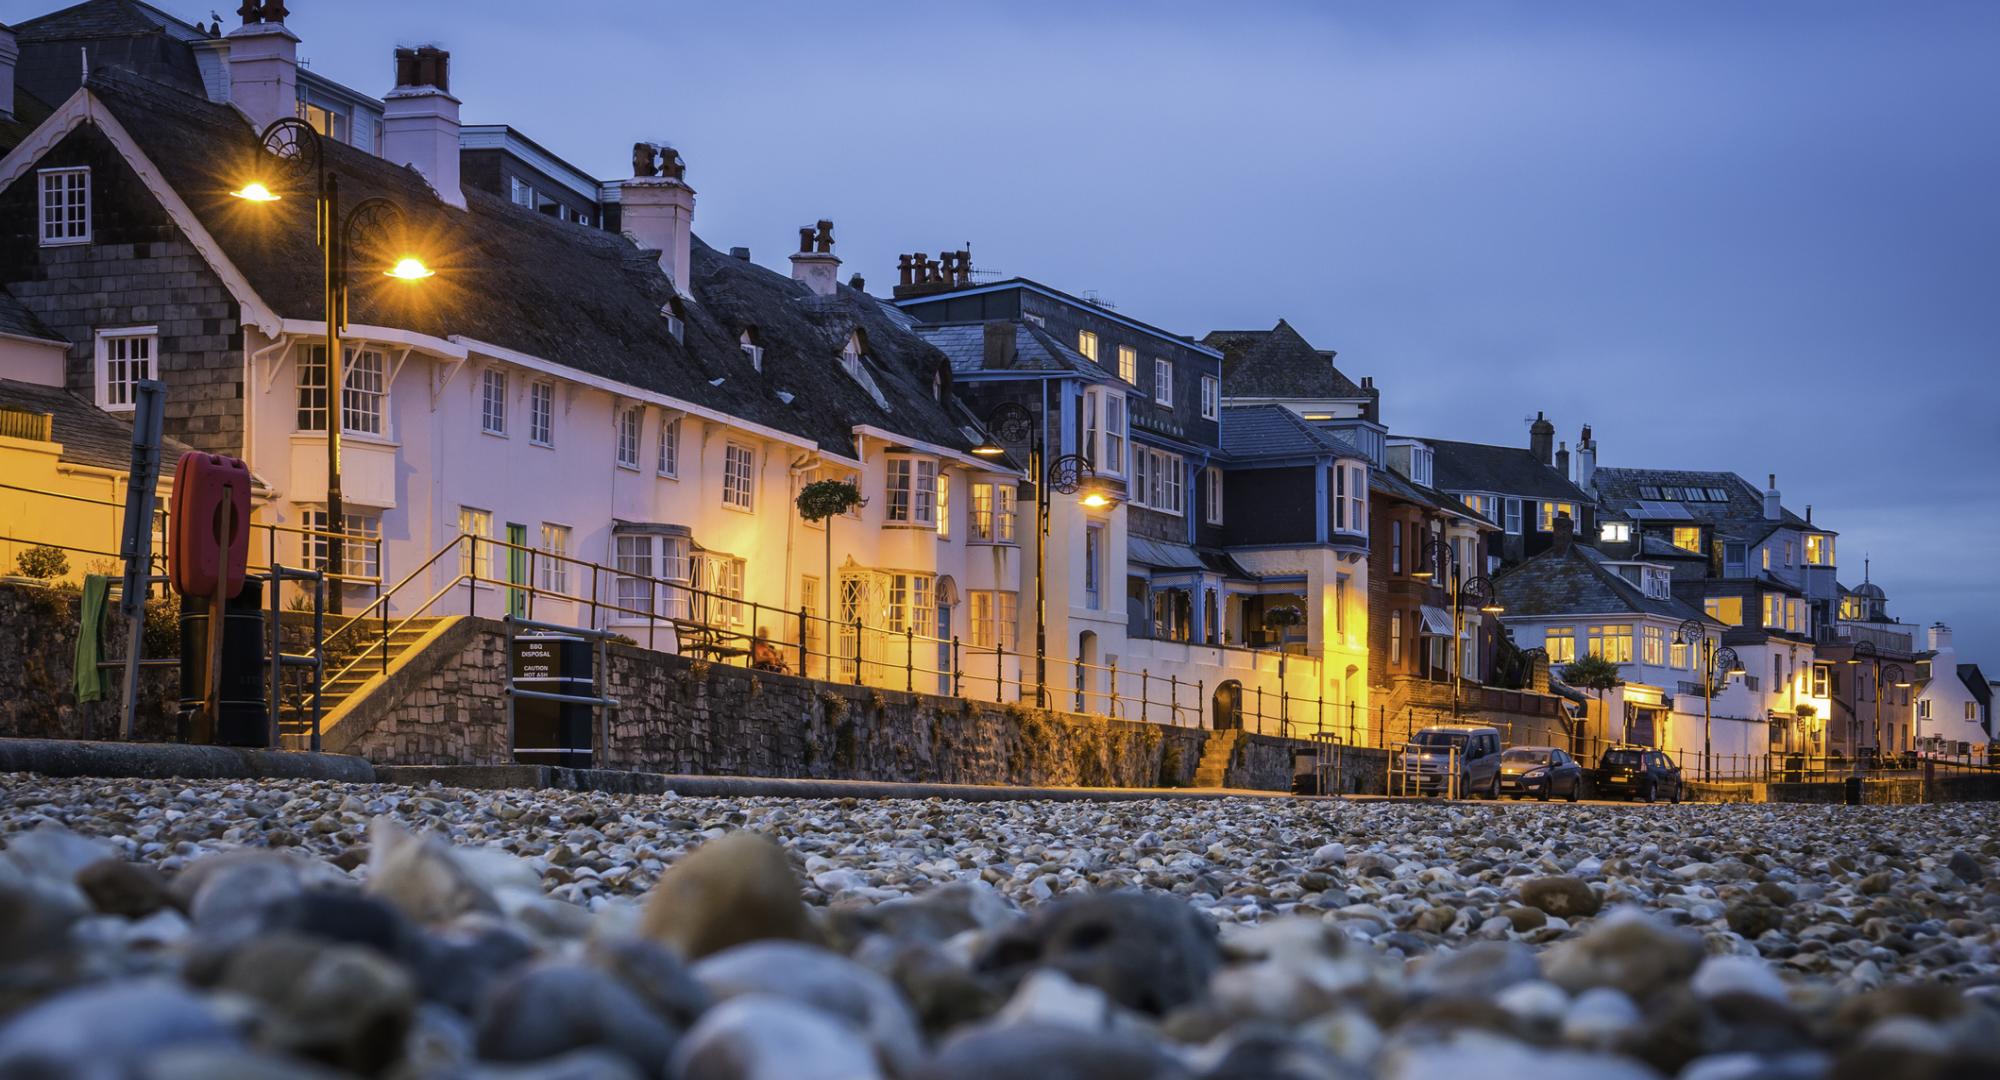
x,y
552,732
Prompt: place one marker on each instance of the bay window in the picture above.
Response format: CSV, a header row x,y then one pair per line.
x,y
1156,479
1560,643
992,513
366,388
1612,642
1655,646
912,490
1350,498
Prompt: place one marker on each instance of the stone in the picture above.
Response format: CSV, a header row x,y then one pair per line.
x,y
53,854
420,876
760,1037
575,1065
1628,950
1523,919
1471,1053
101,1032
459,965
1966,867
1049,997
1049,1052
1329,855
1877,883
35,919
656,974
736,888
342,1004
1725,976
345,917
1569,897
1262,1053
1752,918
550,1008
231,1063
1598,1016
227,892
1148,952
117,887
1480,970
830,983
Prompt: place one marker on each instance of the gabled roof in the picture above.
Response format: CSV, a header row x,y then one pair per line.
x,y
1279,363
1501,470
105,18
1625,490
1576,582
88,434
1273,431
581,298
1396,485
1035,349
17,321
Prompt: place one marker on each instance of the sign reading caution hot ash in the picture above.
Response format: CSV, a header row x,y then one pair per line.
x,y
208,558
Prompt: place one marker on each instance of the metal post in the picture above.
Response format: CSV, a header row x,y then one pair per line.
x,y
909,659
1145,694
1707,708
332,261
1174,699
857,650
273,736
957,670
805,650
319,655
1041,566
1114,689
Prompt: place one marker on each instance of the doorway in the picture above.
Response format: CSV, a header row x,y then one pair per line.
x,y
1226,706
517,570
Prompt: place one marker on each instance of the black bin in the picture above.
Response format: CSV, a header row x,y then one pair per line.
x,y
1853,786
241,716
554,732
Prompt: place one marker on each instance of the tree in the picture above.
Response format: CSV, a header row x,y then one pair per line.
x,y
821,501
43,563
1594,672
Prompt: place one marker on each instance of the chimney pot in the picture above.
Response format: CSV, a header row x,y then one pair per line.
x,y
1562,459
857,283
815,265
1774,507
656,209
420,121
740,253
1542,439
1565,533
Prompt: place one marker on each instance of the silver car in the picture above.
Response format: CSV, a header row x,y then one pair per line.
x,y
1474,752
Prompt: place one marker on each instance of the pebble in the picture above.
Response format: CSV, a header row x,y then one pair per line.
x,y
758,1037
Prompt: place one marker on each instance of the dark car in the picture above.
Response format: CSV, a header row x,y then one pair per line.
x,y
1638,772
1541,771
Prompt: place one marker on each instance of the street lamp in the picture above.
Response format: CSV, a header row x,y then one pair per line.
x,y
1713,660
1439,555
302,161
1011,422
1896,676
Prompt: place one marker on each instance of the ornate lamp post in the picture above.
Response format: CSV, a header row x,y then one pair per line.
x,y
1715,661
1439,556
1011,422
302,164
1865,652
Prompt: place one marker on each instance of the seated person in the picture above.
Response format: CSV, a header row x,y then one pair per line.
x,y
765,656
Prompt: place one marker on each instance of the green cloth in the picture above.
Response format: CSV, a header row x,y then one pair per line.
x,y
89,642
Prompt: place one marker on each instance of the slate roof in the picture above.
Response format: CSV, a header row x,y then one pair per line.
x,y
88,434
123,33
1279,363
1502,470
1396,485
1576,582
1618,491
105,18
583,298
1035,349
1273,431
16,319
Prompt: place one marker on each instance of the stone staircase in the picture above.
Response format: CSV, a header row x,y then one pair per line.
x,y
1216,754
296,724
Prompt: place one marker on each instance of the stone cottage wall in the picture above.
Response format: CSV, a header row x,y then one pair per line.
x,y
38,630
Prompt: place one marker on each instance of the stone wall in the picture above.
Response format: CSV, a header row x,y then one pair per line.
x,y
445,705
38,629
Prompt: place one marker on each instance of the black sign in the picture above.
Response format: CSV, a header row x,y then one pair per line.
x,y
552,732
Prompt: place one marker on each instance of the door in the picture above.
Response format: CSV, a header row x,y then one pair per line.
x,y
517,569
1225,708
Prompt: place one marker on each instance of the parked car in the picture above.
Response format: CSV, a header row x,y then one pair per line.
x,y
1541,771
1638,772
1432,754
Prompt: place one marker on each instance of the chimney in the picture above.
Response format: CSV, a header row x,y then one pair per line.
x,y
420,120
1940,636
658,209
1773,508
1586,462
1542,439
264,66
999,342
1562,459
814,264
10,55
1565,532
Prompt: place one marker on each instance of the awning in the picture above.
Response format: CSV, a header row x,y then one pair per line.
x,y
1437,621
1162,556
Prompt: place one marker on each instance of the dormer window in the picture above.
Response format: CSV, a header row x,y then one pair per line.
x,y
65,206
676,325
850,355
752,350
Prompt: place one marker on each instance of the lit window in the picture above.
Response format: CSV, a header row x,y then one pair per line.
x,y
992,619
1211,397
1552,510
1086,343
1615,532
1093,566
1655,645
633,556
360,549
475,558
1819,549
366,386
1727,610
1128,364
912,490
993,513
944,505
1560,643
1613,643
1163,383
738,476
670,447
1774,610
629,421
542,414
1212,496
493,402
65,206
1395,638
555,568
124,357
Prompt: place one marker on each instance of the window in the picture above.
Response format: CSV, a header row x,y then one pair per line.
x,y
1923,708
912,490
1789,549
493,402
366,379
1819,549
1971,710
1727,610
1821,677
1613,642
721,575
1767,558
1687,538
124,357
542,414
1733,558
1551,510
992,619
993,513
1560,643
1086,343
1211,397
1104,429
1163,383
1679,653
1093,566
754,352
1350,498
1655,645
1128,364
65,217
1396,548
1395,637
555,570
1479,504
1156,479
1212,494
633,557
1513,525
670,447
475,558
1615,532
629,419
738,476
1774,610
1795,617
944,505
360,550
520,192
